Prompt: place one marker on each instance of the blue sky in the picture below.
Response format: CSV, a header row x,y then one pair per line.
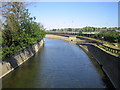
x,y
75,14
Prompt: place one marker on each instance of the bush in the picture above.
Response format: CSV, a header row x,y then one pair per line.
x,y
110,36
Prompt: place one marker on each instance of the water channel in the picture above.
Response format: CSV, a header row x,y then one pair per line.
x,y
59,64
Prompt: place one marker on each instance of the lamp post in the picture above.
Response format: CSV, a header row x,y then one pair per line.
x,y
102,39
118,41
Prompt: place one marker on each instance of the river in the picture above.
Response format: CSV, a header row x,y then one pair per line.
x,y
59,64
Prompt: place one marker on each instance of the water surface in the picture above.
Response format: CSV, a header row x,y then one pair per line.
x,y
58,64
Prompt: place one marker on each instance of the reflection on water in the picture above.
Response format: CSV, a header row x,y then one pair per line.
x,y
58,64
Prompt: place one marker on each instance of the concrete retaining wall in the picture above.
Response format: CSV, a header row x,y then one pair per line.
x,y
13,62
110,64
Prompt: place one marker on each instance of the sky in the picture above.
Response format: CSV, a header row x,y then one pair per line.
x,y
54,15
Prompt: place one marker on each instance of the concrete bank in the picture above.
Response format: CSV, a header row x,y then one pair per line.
x,y
110,63
15,61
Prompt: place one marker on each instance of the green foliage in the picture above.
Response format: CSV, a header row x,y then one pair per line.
x,y
69,29
111,36
54,30
20,32
80,33
89,29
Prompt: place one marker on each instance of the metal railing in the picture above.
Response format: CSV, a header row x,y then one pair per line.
x,y
112,50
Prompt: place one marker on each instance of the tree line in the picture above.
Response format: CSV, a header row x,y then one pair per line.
x,y
19,30
87,29
103,33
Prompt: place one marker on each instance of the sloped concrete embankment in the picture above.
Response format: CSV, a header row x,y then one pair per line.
x,y
13,62
109,63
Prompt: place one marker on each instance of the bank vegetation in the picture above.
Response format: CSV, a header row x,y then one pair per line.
x,y
19,30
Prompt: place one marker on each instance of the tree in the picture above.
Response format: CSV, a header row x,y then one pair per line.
x,y
110,36
80,32
14,13
20,30
54,30
89,29
69,29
